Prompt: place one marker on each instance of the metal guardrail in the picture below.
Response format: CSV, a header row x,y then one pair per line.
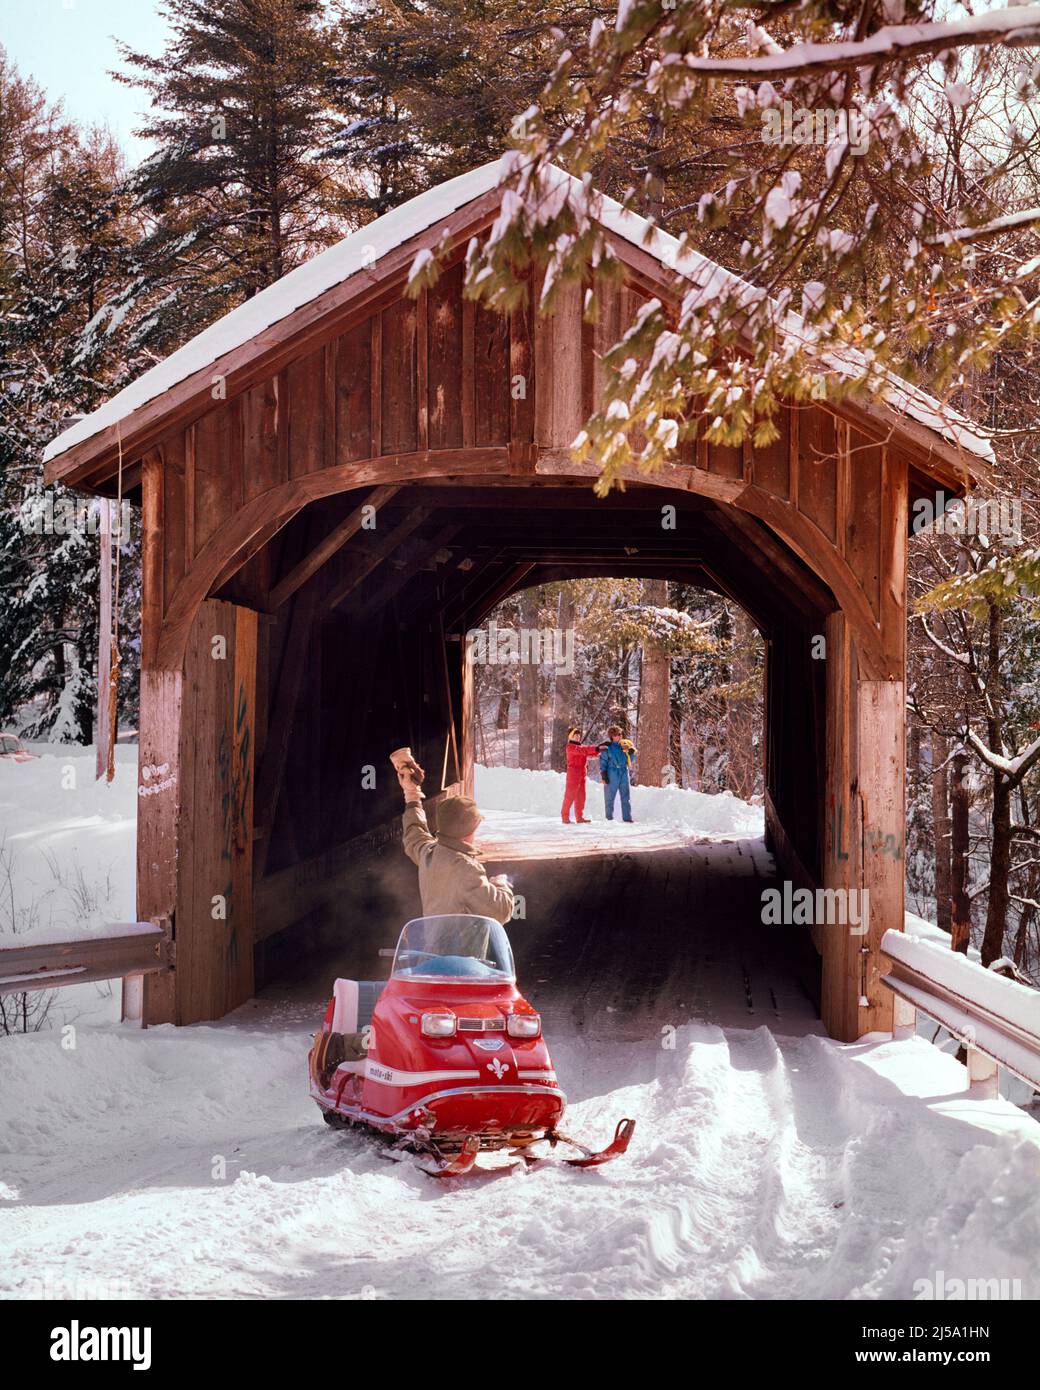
x,y
126,949
997,1019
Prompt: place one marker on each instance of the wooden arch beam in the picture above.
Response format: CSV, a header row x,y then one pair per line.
x,y
259,518
327,546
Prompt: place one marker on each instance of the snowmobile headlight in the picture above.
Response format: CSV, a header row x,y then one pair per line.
x,y
523,1025
438,1023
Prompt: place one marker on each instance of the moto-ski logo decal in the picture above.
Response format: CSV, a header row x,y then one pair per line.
x,y
489,1044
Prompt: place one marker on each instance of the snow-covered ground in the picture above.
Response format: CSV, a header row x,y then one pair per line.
x,y
522,809
191,1162
68,856
67,843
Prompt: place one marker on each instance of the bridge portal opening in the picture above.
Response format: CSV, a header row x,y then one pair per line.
x,y
502,614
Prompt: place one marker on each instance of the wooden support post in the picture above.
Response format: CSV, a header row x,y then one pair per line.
x,y
864,838
881,760
983,1075
841,834
104,659
904,1019
158,814
195,813
214,912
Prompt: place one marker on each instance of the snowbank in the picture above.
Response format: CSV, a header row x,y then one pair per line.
x,y
67,843
522,808
760,1168
68,854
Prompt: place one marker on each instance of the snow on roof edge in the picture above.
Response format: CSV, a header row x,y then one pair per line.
x,y
299,287
354,253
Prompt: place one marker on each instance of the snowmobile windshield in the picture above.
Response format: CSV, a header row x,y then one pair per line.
x,y
457,947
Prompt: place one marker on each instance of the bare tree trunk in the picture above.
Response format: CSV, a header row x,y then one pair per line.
x,y
531,730
505,698
960,932
739,733
999,872
941,829
675,746
1002,790
698,761
564,690
654,698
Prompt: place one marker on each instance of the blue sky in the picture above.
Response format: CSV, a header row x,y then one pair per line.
x,y
68,46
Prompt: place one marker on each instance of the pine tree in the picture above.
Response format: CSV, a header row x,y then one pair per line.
x,y
428,91
64,238
235,194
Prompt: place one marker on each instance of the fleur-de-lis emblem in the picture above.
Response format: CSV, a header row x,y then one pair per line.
x,y
498,1067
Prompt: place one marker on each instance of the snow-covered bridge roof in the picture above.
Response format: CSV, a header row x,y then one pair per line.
x,y
364,249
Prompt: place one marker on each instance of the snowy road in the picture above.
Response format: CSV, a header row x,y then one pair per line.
x,y
798,1168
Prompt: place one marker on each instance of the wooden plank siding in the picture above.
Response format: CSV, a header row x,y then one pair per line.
x,y
438,378
818,469
444,355
306,392
398,391
353,394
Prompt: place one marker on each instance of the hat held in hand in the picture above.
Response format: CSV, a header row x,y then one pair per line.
x,y
406,767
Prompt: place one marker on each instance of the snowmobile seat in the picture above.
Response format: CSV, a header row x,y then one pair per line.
x,y
346,1044
354,1001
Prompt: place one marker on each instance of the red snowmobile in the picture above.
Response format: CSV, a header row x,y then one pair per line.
x,y
446,1057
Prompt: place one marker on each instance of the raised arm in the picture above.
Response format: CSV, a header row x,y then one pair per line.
x,y
415,834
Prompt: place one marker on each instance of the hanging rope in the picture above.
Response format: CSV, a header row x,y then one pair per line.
x,y
113,667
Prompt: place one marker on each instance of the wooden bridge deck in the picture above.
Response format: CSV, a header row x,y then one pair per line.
x,y
612,945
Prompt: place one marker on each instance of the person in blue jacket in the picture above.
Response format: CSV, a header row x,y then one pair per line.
x,y
615,759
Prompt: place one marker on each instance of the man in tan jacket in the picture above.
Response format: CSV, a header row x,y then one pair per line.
x,y
451,877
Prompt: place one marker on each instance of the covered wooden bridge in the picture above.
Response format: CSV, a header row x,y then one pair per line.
x,y
338,481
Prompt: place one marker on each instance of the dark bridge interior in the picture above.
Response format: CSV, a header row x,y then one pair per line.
x,y
377,660
343,642
382,665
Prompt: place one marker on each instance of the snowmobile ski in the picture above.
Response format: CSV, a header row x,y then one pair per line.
x,y
617,1146
440,1165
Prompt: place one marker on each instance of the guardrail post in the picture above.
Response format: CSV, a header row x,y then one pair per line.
x,y
904,1019
133,1000
982,1074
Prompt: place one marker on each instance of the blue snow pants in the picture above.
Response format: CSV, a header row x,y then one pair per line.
x,y
617,782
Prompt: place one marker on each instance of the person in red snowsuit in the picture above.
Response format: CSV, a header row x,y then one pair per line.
x,y
578,754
